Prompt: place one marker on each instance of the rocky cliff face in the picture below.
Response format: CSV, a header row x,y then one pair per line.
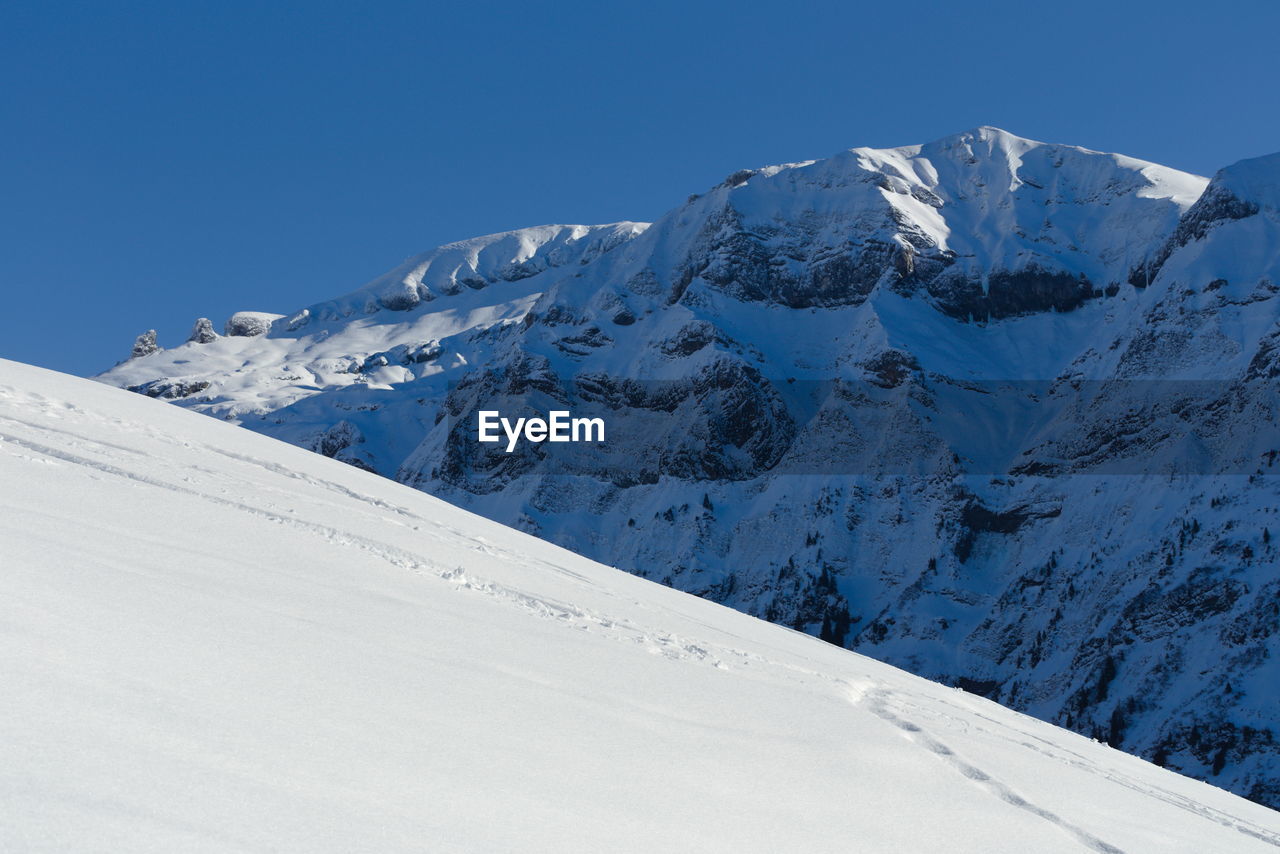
x,y
992,410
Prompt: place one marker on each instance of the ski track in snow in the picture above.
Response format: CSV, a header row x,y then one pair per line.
x,y
889,706
1066,756
878,701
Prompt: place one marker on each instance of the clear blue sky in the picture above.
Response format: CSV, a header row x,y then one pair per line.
x,y
165,160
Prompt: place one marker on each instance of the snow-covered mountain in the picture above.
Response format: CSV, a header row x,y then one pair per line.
x,y
996,411
215,642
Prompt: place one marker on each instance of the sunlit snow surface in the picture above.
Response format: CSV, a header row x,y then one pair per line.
x,y
216,641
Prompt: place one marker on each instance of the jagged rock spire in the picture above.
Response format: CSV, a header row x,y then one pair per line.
x,y
202,332
145,344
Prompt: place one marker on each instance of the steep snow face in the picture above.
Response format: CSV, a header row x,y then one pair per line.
x,y
894,399
1013,205
218,642
1256,180
1211,298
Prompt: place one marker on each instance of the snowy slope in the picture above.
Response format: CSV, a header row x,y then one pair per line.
x,y
219,642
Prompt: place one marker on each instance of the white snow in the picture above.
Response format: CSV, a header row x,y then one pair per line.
x,y
1255,180
504,257
214,641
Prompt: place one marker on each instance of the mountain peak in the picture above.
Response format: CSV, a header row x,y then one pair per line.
x,y
985,137
993,133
